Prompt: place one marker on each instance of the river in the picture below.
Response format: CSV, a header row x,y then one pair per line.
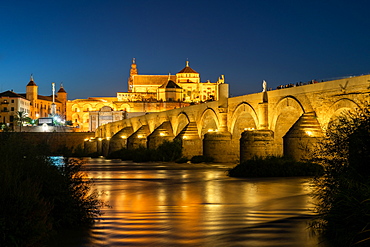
x,y
169,204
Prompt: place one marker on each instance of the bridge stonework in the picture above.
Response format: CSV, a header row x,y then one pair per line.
x,y
279,122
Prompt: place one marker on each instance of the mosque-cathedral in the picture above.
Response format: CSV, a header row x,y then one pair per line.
x,y
146,93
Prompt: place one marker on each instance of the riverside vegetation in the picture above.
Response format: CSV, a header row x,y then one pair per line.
x,y
343,192
274,167
39,198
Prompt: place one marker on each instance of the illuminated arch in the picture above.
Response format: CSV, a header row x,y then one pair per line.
x,y
208,121
336,109
244,117
287,111
180,122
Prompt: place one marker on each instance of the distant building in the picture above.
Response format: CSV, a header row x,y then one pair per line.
x,y
40,106
185,86
31,103
146,93
10,104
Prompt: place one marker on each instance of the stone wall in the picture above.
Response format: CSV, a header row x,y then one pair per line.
x,y
55,140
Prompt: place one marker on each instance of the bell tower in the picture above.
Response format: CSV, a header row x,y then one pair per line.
x,y
133,71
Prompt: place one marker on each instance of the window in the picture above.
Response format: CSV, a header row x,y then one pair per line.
x,y
12,100
12,109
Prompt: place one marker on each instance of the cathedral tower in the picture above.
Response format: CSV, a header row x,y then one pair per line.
x,y
133,71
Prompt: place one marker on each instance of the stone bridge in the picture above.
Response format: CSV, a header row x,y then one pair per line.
x,y
279,122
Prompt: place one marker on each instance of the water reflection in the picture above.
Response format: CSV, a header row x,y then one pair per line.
x,y
159,204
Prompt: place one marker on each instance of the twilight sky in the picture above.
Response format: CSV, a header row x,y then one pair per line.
x,y
88,45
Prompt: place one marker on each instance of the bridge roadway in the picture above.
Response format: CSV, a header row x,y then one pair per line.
x,y
283,121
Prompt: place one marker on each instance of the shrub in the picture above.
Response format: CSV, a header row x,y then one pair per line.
x,y
168,151
38,197
181,160
274,167
343,192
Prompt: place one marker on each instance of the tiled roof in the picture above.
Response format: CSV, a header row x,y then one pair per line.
x,y
187,69
153,80
170,84
47,98
11,94
61,90
31,83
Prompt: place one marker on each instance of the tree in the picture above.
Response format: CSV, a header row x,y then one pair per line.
x,y
343,192
20,118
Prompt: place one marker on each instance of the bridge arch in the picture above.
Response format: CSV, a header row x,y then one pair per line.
x,y
337,108
244,117
286,112
208,121
179,122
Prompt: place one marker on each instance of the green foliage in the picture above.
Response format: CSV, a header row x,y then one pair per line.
x,y
168,151
201,158
274,167
343,192
38,197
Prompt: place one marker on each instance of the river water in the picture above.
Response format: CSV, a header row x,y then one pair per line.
x,y
169,204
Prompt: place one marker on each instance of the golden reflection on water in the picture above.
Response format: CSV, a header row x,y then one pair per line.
x,y
197,207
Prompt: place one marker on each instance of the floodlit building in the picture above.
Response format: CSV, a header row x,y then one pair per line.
x,y
146,93
10,104
31,104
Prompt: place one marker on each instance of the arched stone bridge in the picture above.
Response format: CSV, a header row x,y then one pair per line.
x,y
277,122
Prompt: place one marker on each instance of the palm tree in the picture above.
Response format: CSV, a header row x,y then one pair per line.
x,y
20,117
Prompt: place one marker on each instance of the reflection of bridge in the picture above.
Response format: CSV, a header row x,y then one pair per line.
x,y
267,123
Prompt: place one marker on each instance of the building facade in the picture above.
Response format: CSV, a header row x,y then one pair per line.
x,y
41,106
10,104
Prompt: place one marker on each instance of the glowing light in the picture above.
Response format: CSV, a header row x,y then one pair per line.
x,y
210,130
161,134
99,139
123,137
87,139
140,136
108,138
309,133
248,129
184,137
45,127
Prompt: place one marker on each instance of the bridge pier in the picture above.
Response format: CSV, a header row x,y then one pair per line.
x,y
119,140
139,138
218,145
159,135
105,147
256,143
190,141
90,146
302,137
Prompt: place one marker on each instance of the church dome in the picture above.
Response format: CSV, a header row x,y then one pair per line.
x,y
187,69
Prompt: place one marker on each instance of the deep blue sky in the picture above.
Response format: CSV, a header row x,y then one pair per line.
x,y
89,44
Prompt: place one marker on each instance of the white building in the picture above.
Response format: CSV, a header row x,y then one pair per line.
x,y
10,104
